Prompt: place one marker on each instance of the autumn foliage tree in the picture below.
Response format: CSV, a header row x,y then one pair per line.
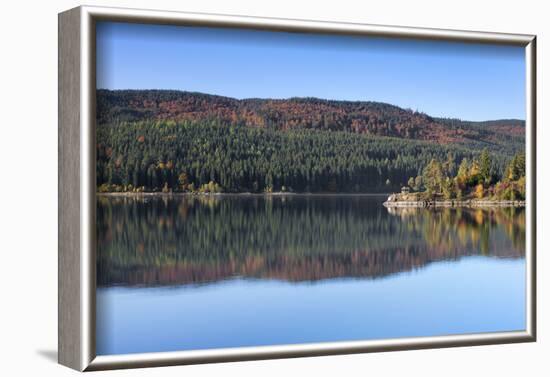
x,y
474,179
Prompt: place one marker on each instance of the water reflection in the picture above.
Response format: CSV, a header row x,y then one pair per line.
x,y
174,240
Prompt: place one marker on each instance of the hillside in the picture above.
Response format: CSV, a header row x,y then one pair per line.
x,y
153,140
371,118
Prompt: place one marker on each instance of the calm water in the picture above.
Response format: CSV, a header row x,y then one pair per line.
x,y
182,273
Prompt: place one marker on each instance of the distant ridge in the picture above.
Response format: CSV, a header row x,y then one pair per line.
x,y
362,117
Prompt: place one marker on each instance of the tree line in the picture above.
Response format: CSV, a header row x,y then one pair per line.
x,y
208,156
472,178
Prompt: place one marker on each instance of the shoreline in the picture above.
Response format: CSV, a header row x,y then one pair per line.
x,y
201,194
473,203
389,203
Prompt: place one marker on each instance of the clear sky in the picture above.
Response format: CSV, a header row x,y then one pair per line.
x,y
459,80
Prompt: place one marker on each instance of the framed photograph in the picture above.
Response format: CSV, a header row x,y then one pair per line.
x,y
237,188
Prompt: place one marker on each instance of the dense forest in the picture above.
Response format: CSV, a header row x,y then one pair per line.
x,y
190,142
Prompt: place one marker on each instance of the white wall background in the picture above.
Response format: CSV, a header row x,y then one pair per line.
x,y
28,185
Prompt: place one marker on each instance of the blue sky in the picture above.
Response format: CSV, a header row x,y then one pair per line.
x,y
459,80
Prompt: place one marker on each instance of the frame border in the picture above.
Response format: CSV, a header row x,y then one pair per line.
x,y
76,211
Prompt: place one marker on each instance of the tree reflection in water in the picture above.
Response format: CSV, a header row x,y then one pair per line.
x,y
172,240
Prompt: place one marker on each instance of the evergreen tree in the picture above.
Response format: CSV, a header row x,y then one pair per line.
x,y
485,167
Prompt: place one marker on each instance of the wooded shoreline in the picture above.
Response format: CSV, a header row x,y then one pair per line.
x,y
394,200
458,203
221,194
391,202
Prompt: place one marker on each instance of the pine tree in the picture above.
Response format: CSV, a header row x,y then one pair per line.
x,y
485,167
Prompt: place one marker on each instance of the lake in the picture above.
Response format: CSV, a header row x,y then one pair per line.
x,y
189,272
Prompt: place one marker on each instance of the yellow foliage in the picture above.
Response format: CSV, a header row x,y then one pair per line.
x,y
479,191
474,169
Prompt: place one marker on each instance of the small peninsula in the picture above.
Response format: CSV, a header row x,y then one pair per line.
x,y
474,184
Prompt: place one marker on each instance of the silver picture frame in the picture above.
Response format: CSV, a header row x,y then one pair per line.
x,y
77,191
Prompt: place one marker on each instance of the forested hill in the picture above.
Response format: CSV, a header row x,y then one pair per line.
x,y
158,140
371,118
